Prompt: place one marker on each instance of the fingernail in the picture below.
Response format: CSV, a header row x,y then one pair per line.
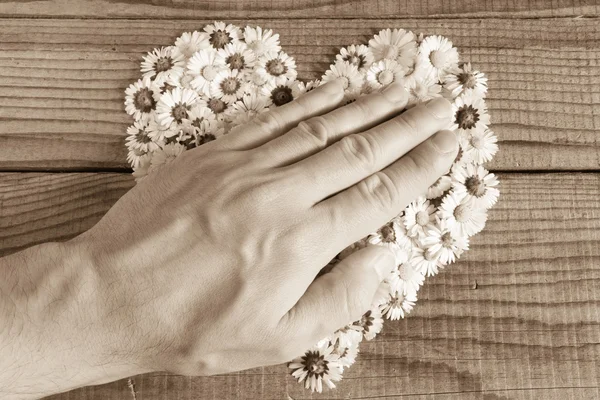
x,y
444,141
440,108
385,263
395,92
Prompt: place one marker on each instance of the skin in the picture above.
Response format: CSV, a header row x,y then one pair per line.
x,y
208,265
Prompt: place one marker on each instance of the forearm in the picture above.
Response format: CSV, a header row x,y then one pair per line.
x,y
50,340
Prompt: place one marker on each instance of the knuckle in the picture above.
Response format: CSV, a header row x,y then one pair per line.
x,y
269,120
408,122
361,149
316,129
379,190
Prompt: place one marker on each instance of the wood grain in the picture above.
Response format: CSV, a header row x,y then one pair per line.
x,y
298,8
517,318
62,82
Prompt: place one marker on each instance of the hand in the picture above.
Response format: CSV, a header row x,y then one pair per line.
x,y
208,265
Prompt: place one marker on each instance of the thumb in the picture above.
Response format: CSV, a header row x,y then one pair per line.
x,y
341,296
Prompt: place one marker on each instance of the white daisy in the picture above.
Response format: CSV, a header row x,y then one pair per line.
x,y
262,42
422,89
138,137
384,72
189,43
160,133
165,155
425,261
477,184
360,56
176,105
465,79
348,73
443,244
219,108
480,145
346,337
463,157
219,34
407,279
161,62
277,68
347,354
392,236
248,108
204,66
301,88
141,98
441,186
438,52
419,216
135,156
397,45
399,304
463,217
470,114
237,56
141,170
229,85
370,324
317,366
279,93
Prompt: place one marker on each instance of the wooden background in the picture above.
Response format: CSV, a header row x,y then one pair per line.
x,y
517,318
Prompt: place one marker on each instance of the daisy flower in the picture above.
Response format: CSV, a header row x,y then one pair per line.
x,y
477,184
465,79
204,66
470,114
370,324
360,56
165,155
399,304
248,107
219,108
237,56
463,217
262,42
277,68
160,133
279,93
304,87
141,98
438,52
135,156
462,157
443,244
348,73
384,72
418,217
397,45
138,137
441,186
347,354
317,366
426,261
161,62
480,145
176,105
407,279
229,85
392,236
141,170
220,35
422,89
189,43
346,337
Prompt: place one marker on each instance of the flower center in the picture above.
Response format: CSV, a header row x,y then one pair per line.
x,y
447,240
230,85
438,58
429,256
143,100
422,218
476,142
388,234
420,90
180,112
356,59
216,105
205,138
467,79
366,320
236,61
462,213
281,95
166,88
390,52
142,137
276,67
467,117
396,301
315,363
163,64
219,39
385,77
209,72
475,186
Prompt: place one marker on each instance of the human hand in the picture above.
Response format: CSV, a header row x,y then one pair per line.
x,y
208,265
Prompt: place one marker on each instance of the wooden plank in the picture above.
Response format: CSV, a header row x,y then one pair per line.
x,y
62,84
298,8
516,318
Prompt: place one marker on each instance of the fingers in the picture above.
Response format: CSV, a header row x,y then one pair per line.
x,y
375,200
359,155
275,122
341,296
316,133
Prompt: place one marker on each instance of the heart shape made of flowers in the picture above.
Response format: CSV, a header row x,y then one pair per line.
x,y
222,76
